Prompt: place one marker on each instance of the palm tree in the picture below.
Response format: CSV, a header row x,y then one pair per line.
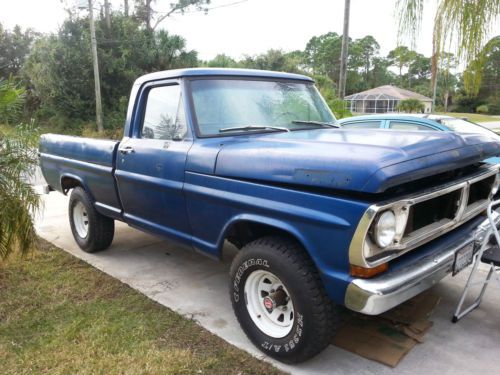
x,y
465,24
18,201
410,106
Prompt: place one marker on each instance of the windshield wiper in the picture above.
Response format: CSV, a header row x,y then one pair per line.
x,y
323,124
253,127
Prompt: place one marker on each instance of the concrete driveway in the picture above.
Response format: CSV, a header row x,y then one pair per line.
x,y
196,287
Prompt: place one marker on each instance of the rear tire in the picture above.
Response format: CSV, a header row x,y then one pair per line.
x,y
279,300
92,231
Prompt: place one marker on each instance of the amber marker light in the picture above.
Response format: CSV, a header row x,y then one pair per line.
x,y
366,273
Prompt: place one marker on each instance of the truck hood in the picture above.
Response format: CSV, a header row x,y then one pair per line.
x,y
350,159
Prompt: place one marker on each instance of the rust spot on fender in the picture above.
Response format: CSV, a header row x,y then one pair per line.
x,y
321,178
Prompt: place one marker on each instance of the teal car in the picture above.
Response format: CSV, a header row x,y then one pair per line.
x,y
419,122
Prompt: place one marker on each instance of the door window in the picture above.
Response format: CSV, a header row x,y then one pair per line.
x,y
400,125
164,116
362,125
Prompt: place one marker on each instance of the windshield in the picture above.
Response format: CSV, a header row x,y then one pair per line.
x,y
463,126
227,103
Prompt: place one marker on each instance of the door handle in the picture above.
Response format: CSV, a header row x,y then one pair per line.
x,y
126,150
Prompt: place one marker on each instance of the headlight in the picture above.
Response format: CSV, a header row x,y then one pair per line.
x,y
385,229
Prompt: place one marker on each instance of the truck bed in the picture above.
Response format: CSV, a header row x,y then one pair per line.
x,y
67,160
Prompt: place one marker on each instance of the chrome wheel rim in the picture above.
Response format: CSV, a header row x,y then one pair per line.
x,y
269,304
81,220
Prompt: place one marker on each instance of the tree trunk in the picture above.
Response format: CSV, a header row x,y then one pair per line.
x,y
149,12
125,7
97,82
446,97
344,51
367,69
107,15
434,83
434,73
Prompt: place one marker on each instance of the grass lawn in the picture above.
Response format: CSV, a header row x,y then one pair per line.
x,y
59,315
474,117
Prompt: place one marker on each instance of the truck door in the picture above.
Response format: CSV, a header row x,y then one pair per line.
x,y
150,163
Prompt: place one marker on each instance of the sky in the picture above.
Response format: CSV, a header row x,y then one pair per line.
x,y
249,27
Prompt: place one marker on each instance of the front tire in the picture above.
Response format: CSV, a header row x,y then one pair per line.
x,y
92,231
279,300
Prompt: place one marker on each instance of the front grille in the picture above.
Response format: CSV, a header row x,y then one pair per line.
x,y
480,191
441,209
435,213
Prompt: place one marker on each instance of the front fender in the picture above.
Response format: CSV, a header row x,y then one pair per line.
x,y
263,220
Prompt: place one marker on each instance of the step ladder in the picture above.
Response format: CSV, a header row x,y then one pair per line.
x,y
488,253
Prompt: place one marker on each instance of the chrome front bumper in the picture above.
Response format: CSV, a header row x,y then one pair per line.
x,y
375,296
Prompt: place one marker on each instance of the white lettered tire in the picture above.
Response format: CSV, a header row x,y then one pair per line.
x,y
279,300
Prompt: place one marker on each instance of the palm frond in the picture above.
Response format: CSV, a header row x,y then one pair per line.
x,y
18,201
469,24
460,25
409,16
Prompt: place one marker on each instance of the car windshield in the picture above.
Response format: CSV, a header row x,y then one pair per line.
x,y
249,106
463,126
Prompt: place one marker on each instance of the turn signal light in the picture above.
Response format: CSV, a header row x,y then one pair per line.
x,y
366,273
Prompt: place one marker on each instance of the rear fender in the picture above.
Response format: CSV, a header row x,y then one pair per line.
x,y
65,187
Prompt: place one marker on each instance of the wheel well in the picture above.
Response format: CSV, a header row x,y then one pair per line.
x,y
68,183
243,232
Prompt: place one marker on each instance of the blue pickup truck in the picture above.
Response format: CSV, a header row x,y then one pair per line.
x,y
323,217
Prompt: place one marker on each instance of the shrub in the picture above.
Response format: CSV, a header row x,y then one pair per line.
x,y
339,108
11,101
494,105
439,108
482,109
465,103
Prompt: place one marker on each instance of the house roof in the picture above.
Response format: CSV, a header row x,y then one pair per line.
x,y
388,92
